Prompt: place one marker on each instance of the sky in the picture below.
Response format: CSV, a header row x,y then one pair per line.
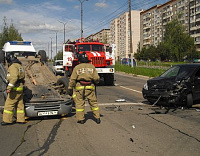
x,y
40,21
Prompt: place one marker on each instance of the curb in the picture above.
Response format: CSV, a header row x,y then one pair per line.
x,y
142,76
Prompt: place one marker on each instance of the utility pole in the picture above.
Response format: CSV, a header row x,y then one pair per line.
x,y
51,48
82,16
130,29
56,45
48,51
64,27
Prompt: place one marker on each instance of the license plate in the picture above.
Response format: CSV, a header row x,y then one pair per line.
x,y
99,70
47,113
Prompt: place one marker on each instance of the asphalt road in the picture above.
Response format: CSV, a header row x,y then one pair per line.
x,y
131,127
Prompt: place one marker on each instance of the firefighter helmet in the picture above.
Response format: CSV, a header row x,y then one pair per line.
x,y
11,58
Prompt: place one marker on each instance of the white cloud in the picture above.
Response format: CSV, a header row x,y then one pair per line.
x,y
101,5
76,7
52,7
38,27
6,1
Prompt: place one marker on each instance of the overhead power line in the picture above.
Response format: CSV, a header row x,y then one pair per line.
x,y
103,23
123,8
108,16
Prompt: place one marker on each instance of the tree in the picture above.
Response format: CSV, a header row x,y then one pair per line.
x,y
59,56
177,45
177,42
9,33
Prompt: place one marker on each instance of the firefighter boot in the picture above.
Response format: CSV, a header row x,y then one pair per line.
x,y
6,123
81,121
98,121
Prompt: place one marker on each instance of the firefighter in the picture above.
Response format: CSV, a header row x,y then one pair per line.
x,y
82,86
15,77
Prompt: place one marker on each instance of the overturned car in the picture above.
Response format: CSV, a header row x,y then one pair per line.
x,y
178,86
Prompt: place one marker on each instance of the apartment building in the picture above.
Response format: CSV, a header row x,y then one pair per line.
x,y
103,36
120,33
154,20
114,38
194,21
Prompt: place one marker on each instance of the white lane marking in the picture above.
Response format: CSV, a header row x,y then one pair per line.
x,y
118,103
129,89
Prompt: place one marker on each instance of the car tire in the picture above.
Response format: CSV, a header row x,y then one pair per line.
x,y
43,55
151,101
3,85
2,57
189,100
109,80
64,83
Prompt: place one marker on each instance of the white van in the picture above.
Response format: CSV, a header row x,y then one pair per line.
x,y
19,48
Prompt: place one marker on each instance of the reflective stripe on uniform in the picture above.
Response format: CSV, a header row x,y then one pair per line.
x,y
95,108
8,112
11,85
20,111
79,110
86,87
73,96
18,89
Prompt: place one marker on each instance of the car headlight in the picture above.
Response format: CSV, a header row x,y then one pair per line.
x,y
145,86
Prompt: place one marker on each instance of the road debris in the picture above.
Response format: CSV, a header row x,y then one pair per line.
x,y
140,108
131,108
113,108
131,139
133,126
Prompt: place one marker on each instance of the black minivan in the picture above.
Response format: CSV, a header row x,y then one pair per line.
x,y
178,86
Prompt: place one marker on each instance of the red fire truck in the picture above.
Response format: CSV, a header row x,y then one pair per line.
x,y
96,54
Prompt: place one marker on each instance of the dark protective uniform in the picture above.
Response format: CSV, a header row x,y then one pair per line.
x,y
83,80
15,77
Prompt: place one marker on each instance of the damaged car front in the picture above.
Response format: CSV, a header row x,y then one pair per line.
x,y
175,87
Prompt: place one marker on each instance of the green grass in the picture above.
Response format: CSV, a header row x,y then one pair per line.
x,y
160,64
145,68
150,72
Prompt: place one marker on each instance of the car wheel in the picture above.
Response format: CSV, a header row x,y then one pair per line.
x,y
63,82
109,80
2,57
151,101
43,55
189,100
3,85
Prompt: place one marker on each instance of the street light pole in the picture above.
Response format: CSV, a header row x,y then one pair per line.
x,y
82,16
51,47
56,45
64,27
131,40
